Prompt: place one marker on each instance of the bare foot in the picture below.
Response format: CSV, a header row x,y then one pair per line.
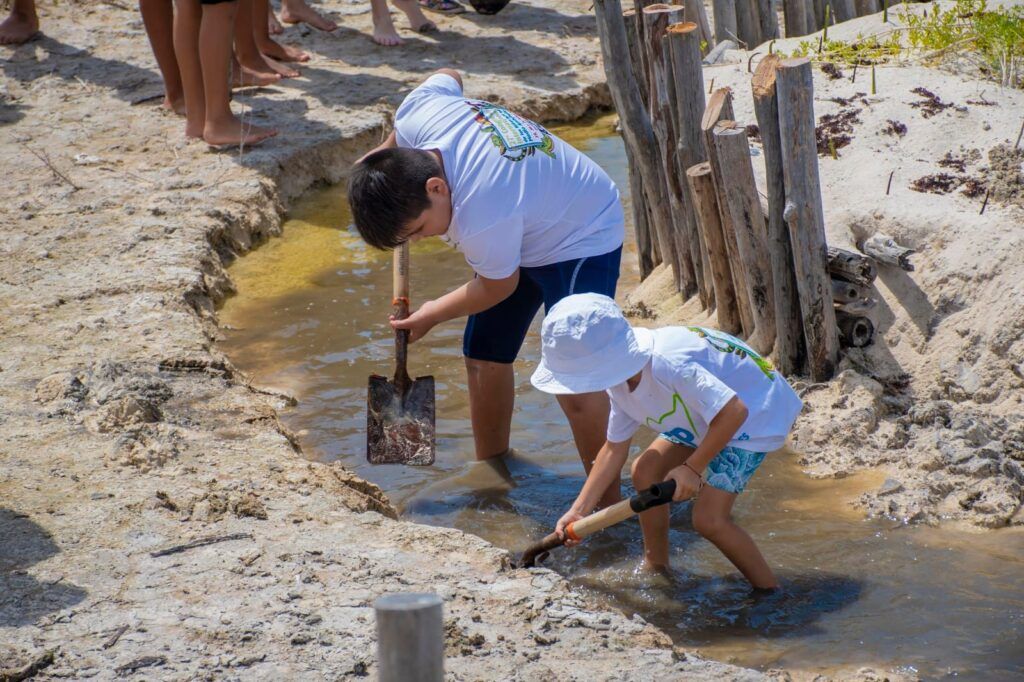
x,y
233,132
250,78
304,14
386,35
193,130
281,69
274,26
175,105
417,20
282,53
18,28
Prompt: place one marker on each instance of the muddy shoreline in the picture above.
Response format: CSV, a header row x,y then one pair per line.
x,y
126,432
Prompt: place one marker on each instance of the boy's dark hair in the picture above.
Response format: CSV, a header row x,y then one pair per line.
x,y
386,190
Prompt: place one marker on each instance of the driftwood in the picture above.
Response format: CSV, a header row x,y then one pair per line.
x,y
740,193
656,19
719,107
852,266
789,328
884,249
682,43
844,292
636,125
201,542
30,669
705,203
861,306
804,214
855,331
716,54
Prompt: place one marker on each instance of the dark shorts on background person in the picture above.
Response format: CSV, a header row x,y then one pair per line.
x,y
497,334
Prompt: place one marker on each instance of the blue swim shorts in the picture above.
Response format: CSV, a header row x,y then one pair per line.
x,y
730,470
497,334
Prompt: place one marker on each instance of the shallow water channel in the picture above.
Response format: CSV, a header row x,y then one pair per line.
x,y
310,318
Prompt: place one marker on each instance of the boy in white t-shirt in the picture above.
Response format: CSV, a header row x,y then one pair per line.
x,y
717,405
535,218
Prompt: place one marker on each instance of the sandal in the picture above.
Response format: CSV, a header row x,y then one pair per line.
x,y
442,6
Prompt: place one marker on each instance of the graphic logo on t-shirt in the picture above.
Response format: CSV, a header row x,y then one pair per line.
x,y
515,137
730,344
677,402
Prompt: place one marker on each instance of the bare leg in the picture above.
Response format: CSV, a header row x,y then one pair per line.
x,y
158,18
417,20
651,467
297,11
21,24
269,47
274,26
261,14
491,399
384,32
254,69
222,126
588,418
712,519
187,21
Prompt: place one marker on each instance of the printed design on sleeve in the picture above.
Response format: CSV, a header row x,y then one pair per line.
x,y
730,344
677,402
515,137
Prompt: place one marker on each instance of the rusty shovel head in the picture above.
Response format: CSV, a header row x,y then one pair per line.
x,y
400,429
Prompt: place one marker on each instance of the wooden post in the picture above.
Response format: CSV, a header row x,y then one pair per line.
x,y
636,125
687,78
724,12
748,22
855,331
789,332
844,292
719,107
842,10
636,56
799,17
410,638
696,14
866,7
819,14
705,204
641,228
769,19
656,20
740,192
794,83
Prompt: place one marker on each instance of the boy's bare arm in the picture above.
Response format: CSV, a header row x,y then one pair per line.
x,y
607,467
720,431
474,296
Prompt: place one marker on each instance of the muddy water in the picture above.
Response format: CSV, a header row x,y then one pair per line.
x,y
309,318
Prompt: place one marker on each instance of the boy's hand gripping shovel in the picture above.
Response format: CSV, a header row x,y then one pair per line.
x,y
400,413
657,495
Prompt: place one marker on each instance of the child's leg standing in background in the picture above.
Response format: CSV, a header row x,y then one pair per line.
x,y
158,18
712,510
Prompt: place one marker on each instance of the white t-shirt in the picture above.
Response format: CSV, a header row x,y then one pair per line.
x,y
692,374
520,195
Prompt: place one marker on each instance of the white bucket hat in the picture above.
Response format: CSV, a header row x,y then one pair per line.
x,y
588,346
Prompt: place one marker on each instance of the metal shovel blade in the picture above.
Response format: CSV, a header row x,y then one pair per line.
x,y
400,429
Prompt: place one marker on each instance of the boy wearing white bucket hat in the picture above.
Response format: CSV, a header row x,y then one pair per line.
x,y
717,405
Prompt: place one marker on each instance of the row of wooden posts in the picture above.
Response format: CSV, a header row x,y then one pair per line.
x,y
762,267
752,22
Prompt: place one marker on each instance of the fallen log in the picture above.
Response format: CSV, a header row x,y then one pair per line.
x,y
721,48
804,214
862,306
852,266
844,291
884,249
855,331
740,193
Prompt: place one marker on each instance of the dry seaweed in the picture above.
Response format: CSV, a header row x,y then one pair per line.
x,y
753,132
938,183
834,130
831,70
930,104
895,128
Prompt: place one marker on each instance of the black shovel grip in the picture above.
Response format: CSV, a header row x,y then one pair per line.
x,y
655,496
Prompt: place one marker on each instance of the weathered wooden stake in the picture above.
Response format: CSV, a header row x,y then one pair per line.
x,y
705,203
740,193
724,12
789,333
719,107
748,22
799,15
656,20
410,638
687,77
768,19
804,215
641,226
884,249
697,14
636,124
852,266
843,10
866,7
844,292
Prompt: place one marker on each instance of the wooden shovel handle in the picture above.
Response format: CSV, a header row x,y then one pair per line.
x,y
400,288
656,495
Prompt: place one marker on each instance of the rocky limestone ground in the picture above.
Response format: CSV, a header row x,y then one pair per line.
x,y
124,433
937,402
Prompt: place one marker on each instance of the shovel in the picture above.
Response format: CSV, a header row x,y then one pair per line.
x,y
400,413
655,496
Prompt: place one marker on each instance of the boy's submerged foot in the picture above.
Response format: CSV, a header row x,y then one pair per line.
x,y
301,13
18,28
282,53
233,132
